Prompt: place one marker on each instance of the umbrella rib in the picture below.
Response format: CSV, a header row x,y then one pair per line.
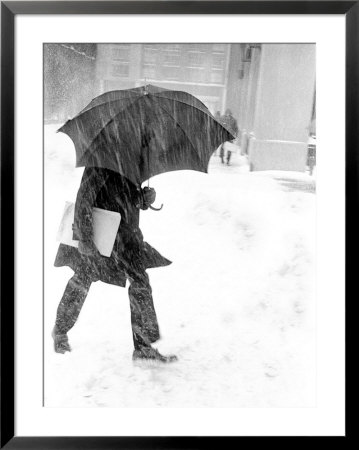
x,y
185,103
128,93
194,148
134,92
106,124
84,111
205,110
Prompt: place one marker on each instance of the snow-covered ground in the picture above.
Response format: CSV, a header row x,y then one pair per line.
x,y
237,306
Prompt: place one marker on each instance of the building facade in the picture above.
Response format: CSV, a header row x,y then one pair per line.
x,y
200,69
277,105
270,88
69,79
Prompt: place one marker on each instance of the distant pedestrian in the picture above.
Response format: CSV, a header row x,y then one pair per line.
x,y
229,122
311,156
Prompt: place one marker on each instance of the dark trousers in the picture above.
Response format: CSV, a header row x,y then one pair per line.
x,y
221,153
144,323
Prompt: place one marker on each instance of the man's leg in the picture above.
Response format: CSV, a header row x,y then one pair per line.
x,y
144,322
69,309
221,153
228,156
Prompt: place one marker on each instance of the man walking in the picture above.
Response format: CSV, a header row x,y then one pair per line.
x,y
131,256
230,123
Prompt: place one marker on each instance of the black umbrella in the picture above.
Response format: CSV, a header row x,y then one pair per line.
x,y
145,131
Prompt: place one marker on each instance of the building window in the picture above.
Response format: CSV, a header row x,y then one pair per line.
x,y
218,60
171,58
196,59
121,70
150,61
171,72
150,55
217,67
121,53
219,47
149,71
171,61
195,63
196,75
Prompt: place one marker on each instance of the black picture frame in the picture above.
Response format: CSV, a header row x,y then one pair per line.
x,y
9,10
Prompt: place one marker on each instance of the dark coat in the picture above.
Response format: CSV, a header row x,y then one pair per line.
x,y
230,123
105,189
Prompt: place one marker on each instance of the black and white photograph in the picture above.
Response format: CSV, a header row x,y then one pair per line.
x,y
179,225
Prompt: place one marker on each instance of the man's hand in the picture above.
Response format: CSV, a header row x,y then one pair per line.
x,y
148,196
88,249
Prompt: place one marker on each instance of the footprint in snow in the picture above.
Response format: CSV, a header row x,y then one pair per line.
x,y
271,371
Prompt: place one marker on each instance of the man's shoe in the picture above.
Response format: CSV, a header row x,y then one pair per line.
x,y
149,353
61,342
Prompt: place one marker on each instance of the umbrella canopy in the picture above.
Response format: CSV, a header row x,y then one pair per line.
x,y
145,131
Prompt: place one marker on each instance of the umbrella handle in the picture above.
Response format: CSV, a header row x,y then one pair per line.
x,y
156,209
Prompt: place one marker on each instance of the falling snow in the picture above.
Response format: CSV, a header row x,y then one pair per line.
x,y
237,305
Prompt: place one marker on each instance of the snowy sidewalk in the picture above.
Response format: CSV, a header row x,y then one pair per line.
x,y
237,304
